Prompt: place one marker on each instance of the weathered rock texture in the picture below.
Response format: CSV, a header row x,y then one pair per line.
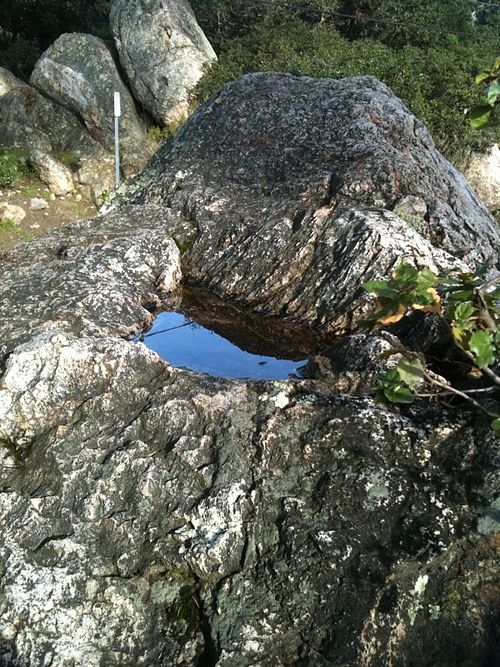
x,y
163,51
291,183
54,174
155,517
15,214
9,82
79,72
29,120
96,178
483,172
90,273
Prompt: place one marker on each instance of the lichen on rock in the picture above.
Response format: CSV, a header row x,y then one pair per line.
x,y
154,516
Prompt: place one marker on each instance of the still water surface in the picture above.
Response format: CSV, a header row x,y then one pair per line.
x,y
185,343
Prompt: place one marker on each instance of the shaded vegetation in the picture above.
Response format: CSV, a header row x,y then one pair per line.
x,y
14,164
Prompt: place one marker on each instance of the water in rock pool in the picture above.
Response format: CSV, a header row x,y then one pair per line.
x,y
204,334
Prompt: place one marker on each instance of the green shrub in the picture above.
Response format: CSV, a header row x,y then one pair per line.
x,y
18,54
159,134
13,165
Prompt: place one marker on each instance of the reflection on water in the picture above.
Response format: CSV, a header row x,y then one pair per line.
x,y
186,344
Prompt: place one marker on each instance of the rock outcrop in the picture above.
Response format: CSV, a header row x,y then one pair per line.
x,y
79,72
292,183
152,516
29,120
163,51
483,172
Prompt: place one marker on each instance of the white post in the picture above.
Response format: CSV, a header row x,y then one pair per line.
x,y
117,113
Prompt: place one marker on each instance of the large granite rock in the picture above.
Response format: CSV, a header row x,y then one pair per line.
x,y
291,184
152,516
163,51
79,72
29,120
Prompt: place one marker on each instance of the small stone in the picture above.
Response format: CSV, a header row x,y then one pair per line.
x,y
78,197
15,214
52,196
38,204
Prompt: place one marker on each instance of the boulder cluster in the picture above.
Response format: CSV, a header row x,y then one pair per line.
x,y
158,54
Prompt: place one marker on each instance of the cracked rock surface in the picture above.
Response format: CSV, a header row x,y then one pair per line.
x,y
297,187
79,72
152,516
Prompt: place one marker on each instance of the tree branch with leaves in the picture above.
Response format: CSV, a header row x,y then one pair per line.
x,y
472,320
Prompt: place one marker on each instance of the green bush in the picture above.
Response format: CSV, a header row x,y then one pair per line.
x,y
472,320
13,165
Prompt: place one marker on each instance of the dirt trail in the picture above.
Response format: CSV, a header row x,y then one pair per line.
x,y
59,211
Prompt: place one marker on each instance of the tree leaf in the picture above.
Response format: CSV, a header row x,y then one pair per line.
x,y
398,394
411,371
493,93
481,344
433,307
480,115
380,288
461,295
391,317
483,76
495,425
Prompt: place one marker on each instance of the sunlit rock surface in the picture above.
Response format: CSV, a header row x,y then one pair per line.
x,y
152,516
291,183
483,171
79,72
164,52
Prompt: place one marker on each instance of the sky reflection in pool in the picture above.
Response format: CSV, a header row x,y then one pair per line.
x,y
186,344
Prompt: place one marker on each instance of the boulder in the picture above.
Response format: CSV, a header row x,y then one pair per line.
x,y
9,82
483,173
79,72
155,516
171,518
12,212
29,120
55,175
163,51
300,189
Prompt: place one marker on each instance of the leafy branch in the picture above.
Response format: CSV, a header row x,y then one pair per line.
x,y
472,318
481,114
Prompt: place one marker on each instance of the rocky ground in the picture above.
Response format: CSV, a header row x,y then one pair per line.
x,y
44,211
